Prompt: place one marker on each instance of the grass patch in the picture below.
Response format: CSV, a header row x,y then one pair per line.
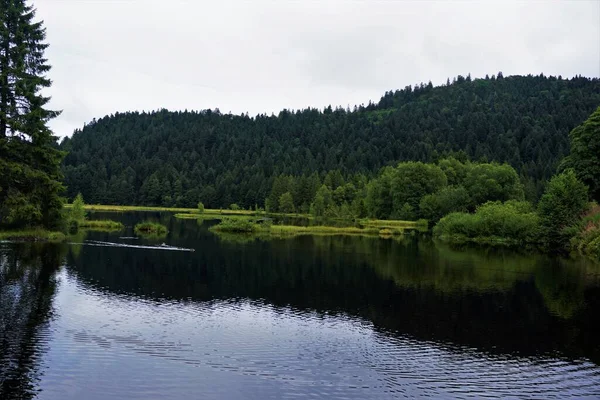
x,y
231,225
214,216
101,225
33,235
292,230
249,227
195,211
150,228
394,225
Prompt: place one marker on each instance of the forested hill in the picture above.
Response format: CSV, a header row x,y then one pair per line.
x,y
180,158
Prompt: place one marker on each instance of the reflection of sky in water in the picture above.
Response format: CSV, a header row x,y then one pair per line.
x,y
321,317
115,346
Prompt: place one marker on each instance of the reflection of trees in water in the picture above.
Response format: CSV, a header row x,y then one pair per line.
x,y
482,298
27,288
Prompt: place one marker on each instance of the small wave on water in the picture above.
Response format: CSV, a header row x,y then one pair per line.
x,y
163,246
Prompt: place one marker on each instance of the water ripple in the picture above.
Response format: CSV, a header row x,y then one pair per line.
x,y
173,349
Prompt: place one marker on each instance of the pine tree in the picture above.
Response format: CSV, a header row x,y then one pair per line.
x,y
30,175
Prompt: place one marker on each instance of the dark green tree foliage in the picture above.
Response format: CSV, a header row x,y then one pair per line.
x,y
282,184
561,208
492,182
449,199
412,181
379,202
585,153
30,175
221,158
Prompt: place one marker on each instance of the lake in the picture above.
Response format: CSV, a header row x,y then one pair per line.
x,y
114,317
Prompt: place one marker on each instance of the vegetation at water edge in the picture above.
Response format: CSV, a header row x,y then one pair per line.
x,y
77,218
563,218
588,239
267,228
33,235
101,225
150,228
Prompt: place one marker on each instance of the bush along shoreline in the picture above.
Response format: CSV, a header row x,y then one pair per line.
x,y
563,221
77,219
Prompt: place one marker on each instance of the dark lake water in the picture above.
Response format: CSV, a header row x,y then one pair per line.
x,y
309,317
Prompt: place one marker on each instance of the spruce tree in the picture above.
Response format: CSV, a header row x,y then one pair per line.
x,y
30,175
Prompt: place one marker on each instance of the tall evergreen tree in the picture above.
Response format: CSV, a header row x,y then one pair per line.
x,y
30,175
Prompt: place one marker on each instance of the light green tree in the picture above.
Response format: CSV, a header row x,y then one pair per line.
x,y
561,207
77,210
286,203
323,202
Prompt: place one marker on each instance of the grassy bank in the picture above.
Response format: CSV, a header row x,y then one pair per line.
x,y
33,235
216,215
393,224
248,227
291,230
101,225
187,211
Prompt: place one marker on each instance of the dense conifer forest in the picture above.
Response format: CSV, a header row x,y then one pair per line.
x,y
168,158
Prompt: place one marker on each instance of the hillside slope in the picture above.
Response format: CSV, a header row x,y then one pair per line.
x,y
178,158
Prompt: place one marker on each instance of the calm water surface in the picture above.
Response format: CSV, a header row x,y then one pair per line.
x,y
309,317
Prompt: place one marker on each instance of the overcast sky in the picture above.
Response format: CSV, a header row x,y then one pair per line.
x,y
255,57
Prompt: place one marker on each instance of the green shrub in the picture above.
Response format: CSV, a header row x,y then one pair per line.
x,y
201,207
449,199
587,239
148,227
593,247
512,221
235,225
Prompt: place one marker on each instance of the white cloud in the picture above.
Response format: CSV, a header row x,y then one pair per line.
x,y
258,57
